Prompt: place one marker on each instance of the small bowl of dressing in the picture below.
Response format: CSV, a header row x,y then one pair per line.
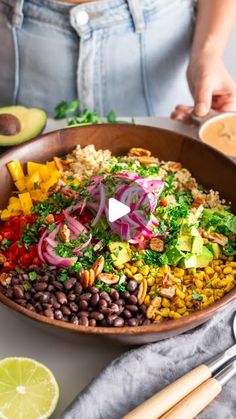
x,y
219,131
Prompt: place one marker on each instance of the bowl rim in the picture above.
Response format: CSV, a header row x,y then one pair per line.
x,y
197,317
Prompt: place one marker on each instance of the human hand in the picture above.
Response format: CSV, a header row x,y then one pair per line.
x,y
211,85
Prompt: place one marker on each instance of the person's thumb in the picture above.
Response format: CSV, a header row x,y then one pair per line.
x,y
203,98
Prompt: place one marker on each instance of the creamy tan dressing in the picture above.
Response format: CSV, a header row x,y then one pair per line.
x,y
221,134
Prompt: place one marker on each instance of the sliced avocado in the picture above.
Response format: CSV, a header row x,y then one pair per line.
x,y
189,261
204,258
174,255
28,123
216,250
189,230
197,244
120,252
185,243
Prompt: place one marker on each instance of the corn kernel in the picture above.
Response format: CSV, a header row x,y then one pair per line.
x,y
165,302
133,269
227,270
209,271
180,294
179,273
128,273
150,281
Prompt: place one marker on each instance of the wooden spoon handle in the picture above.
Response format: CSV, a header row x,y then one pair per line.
x,y
195,402
161,402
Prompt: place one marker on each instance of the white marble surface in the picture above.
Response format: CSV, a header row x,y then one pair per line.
x,y
73,363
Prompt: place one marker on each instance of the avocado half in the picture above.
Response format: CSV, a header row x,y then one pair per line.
x,y
19,124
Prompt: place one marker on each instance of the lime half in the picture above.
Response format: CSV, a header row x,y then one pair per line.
x,y
28,389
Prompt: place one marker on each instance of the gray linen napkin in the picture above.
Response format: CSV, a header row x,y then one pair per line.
x,y
139,373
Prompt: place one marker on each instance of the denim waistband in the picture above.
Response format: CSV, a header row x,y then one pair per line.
x,y
95,15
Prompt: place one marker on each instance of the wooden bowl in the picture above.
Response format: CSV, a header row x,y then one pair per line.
x,y
210,167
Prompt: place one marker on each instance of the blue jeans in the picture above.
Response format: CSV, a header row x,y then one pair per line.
x,y
125,55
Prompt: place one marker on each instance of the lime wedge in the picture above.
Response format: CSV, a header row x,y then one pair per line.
x,y
28,389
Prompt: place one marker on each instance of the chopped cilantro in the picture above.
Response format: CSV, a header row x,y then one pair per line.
x,y
26,287
32,275
152,258
51,227
102,286
121,288
63,276
196,296
5,243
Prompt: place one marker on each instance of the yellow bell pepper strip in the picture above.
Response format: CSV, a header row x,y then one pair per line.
x,y
5,214
15,170
26,202
20,184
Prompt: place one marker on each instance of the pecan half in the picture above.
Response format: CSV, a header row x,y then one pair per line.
x,y
87,278
64,233
218,238
5,279
3,259
167,292
157,245
142,291
49,219
98,265
174,166
198,201
54,188
191,184
108,279
152,161
68,194
151,310
138,152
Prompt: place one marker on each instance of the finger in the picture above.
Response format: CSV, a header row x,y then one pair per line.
x,y
203,98
225,102
184,108
181,116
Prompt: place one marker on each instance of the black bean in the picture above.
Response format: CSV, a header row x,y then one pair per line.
x,y
54,302
143,308
132,322
114,294
118,322
83,314
45,305
111,318
94,300
61,297
45,297
132,308
74,319
65,318
51,288
49,313
105,296
115,308
69,283
66,311
103,323
132,299
15,281
132,285
83,305
74,307
94,290
83,321
28,295
38,307
38,294
86,296
58,285
21,301
120,302
9,293
107,311
125,295
92,322
78,288
40,286
71,297
96,315
25,277
127,314
18,291
102,303
30,307
58,315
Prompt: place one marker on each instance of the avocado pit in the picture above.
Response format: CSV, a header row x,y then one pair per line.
x,y
9,124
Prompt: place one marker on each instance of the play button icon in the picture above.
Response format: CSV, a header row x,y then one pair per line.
x,y
116,210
